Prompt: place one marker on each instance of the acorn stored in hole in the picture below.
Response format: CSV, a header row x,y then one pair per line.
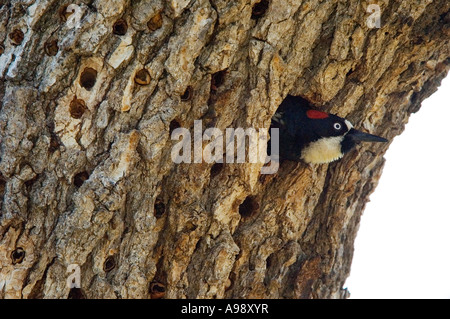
x,y
157,290
64,12
109,264
77,107
16,37
17,255
142,77
155,22
51,47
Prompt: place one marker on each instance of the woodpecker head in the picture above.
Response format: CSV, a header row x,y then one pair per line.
x,y
314,136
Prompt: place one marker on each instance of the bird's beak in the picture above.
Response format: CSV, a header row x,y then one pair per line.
x,y
365,137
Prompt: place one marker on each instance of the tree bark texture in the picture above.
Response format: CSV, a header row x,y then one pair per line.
x,y
91,91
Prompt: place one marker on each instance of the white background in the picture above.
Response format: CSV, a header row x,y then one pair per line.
x,y
402,249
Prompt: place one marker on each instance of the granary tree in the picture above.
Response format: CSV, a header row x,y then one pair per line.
x,y
92,203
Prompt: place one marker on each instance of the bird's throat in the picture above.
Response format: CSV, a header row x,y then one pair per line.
x,y
323,151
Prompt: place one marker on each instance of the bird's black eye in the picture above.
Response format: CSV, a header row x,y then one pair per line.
x,y
337,126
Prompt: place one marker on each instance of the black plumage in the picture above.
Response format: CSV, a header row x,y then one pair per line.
x,y
314,136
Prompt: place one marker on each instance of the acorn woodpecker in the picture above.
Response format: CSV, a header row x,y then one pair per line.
x,y
314,136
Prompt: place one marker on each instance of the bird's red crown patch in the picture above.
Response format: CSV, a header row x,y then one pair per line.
x,y
314,114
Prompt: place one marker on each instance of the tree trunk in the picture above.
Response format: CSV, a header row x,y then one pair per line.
x,y
91,92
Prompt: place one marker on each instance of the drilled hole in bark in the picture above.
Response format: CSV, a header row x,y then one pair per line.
x,y
269,261
155,22
17,255
54,143
157,290
142,77
120,27
159,208
259,9
77,108
51,47
16,37
174,124
249,207
349,72
217,79
2,185
88,78
187,95
80,178
2,49
65,12
197,245
76,293
216,169
109,264
269,272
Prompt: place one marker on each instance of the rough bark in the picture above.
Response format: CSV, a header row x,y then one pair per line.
x,y
85,121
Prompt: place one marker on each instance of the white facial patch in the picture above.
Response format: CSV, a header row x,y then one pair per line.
x,y
325,150
349,125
